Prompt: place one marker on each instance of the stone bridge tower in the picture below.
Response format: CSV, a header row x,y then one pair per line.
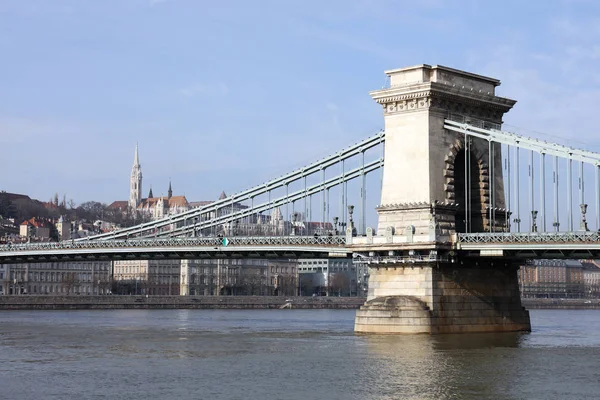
x,y
435,184
425,164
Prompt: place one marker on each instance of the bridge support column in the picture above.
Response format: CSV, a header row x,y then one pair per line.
x,y
443,298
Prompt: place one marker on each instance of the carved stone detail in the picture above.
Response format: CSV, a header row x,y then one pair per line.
x,y
450,100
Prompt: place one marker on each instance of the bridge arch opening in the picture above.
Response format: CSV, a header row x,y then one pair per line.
x,y
468,193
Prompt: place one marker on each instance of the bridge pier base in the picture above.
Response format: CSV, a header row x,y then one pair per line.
x,y
448,298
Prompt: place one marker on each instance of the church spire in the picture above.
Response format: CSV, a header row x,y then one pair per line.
x,y
170,192
150,195
136,157
135,183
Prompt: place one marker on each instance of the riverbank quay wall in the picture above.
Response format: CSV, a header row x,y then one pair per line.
x,y
29,302
561,304
230,302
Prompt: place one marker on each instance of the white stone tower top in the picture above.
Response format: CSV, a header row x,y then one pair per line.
x,y
420,153
135,184
449,76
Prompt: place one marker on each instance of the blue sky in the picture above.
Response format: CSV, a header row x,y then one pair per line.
x,y
224,95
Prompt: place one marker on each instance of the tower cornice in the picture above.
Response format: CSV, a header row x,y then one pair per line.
x,y
442,97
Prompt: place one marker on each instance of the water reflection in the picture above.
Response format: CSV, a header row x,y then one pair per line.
x,y
283,354
442,366
478,341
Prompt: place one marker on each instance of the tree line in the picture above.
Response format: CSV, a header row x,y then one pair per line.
x,y
23,208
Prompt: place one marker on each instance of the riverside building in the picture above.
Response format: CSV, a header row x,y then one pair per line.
x,y
57,278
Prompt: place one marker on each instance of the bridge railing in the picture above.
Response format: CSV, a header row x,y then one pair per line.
x,y
182,242
418,258
530,237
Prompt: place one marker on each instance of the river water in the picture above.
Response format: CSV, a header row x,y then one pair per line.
x,y
287,354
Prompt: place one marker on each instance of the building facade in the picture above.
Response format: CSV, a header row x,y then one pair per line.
x,y
3,277
57,278
552,279
63,229
332,277
591,279
151,277
252,277
35,228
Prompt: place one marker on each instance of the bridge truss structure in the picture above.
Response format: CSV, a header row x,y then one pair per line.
x,y
527,245
535,171
177,248
524,188
232,210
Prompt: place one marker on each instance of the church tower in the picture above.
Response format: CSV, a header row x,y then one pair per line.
x,y
135,184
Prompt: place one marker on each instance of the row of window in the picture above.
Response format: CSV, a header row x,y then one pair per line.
x,y
145,263
235,261
88,266
55,276
326,262
283,270
56,289
170,279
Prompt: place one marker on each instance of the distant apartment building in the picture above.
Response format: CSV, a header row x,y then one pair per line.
x,y
57,278
222,277
591,278
552,279
332,277
3,277
35,229
151,277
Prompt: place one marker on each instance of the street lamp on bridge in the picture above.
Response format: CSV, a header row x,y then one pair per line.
x,y
533,223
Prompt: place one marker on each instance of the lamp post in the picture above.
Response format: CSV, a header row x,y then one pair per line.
x,y
351,221
583,226
294,220
517,221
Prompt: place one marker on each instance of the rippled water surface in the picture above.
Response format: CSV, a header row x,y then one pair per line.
x,y
287,354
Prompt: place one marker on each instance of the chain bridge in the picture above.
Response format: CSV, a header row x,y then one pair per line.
x,y
462,201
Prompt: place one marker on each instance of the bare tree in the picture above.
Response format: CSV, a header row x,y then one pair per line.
x,y
91,210
197,282
339,284
69,281
104,285
289,285
252,281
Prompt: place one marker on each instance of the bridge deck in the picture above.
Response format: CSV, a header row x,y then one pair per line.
x,y
234,247
575,245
